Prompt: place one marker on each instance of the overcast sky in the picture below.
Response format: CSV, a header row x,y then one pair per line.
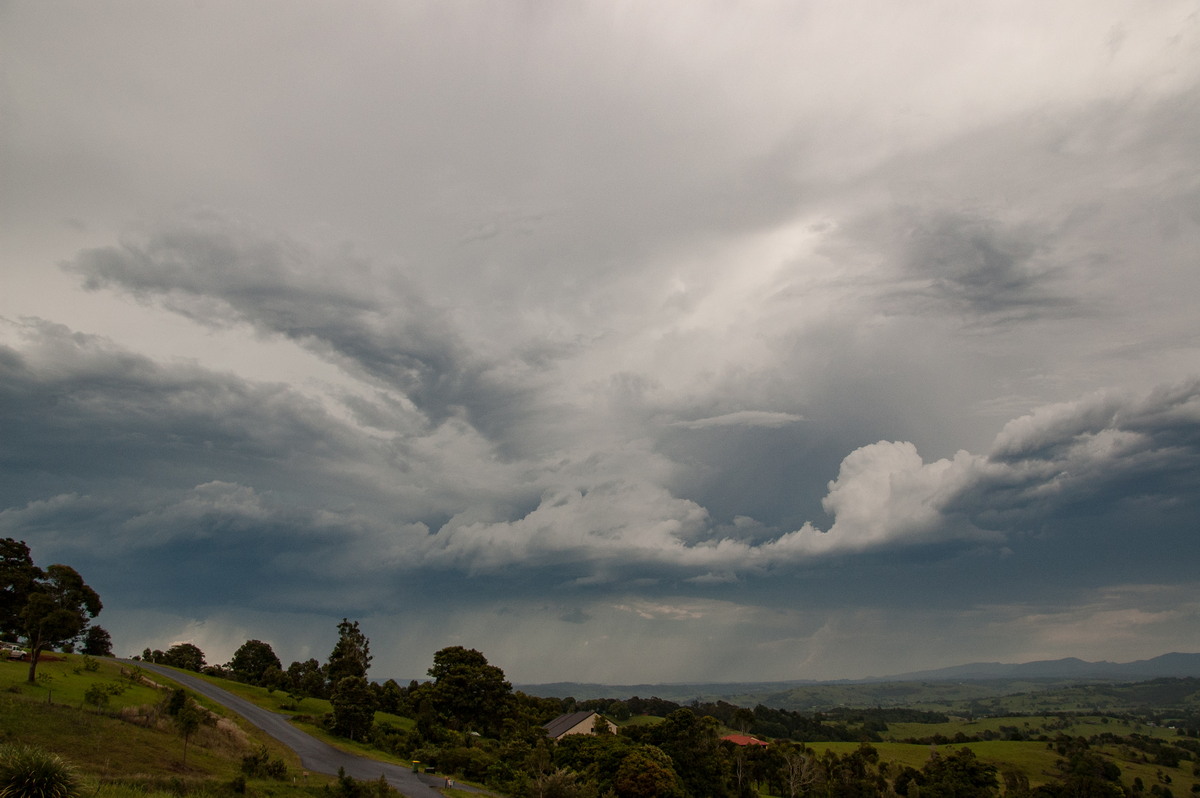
x,y
622,341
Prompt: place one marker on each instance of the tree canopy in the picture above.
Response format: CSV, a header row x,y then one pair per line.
x,y
17,577
57,604
184,655
351,655
97,642
253,660
468,692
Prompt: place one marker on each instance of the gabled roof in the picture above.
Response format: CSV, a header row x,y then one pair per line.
x,y
564,722
743,739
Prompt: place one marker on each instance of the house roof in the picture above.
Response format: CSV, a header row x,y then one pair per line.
x,y
743,739
564,722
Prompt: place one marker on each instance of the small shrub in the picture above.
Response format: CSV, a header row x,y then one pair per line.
x,y
27,772
260,765
276,769
97,696
253,764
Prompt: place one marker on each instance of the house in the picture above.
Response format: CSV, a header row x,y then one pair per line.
x,y
744,740
576,723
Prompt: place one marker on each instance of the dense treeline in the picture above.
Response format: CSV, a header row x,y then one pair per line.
x,y
839,725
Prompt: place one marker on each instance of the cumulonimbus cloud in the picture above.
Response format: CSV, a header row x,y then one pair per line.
x,y
885,494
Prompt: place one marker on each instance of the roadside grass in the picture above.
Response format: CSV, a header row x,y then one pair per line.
x,y
305,715
128,748
283,703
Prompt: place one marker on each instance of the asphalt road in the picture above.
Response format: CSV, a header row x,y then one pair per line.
x,y
314,754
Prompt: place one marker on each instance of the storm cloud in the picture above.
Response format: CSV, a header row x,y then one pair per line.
x,y
785,342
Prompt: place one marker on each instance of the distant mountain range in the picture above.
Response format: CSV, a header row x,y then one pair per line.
x,y
1174,664
1060,670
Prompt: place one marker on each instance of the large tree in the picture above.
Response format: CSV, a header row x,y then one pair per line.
x,y
184,655
694,746
254,659
58,609
306,679
351,655
353,708
468,692
17,577
97,642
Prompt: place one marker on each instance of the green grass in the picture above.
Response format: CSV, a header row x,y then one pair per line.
x,y
117,757
1030,725
305,714
642,720
1034,759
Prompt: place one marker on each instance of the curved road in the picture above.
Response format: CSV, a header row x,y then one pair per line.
x,y
314,754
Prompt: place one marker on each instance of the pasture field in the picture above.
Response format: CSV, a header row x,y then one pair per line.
x,y
1034,759
1027,725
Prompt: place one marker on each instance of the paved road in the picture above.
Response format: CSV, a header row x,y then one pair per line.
x,y
314,754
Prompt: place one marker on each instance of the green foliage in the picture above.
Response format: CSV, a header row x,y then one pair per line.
x,y
353,708
468,693
306,680
28,772
187,656
1086,773
253,661
187,720
692,744
57,606
99,694
647,772
260,765
17,577
959,774
351,655
97,642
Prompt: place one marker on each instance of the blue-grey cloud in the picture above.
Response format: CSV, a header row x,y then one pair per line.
x,y
799,341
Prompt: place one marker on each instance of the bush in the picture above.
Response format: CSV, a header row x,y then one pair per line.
x,y
260,765
27,772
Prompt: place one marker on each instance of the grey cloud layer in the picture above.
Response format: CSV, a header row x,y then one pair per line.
x,y
773,330
192,457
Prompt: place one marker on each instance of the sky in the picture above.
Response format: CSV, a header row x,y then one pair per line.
x,y
624,342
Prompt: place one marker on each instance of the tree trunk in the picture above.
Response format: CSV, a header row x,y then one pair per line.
x,y
35,653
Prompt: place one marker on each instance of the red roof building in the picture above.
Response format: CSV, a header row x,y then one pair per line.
x,y
744,739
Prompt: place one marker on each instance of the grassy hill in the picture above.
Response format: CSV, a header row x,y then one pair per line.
x,y
113,727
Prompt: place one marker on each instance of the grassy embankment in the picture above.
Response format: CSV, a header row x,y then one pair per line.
x,y
127,746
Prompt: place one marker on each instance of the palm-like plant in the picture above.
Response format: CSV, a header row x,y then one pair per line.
x,y
28,772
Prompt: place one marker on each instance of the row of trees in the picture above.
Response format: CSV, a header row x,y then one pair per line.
x,y
47,608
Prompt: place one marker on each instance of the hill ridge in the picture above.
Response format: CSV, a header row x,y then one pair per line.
x,y
1173,664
